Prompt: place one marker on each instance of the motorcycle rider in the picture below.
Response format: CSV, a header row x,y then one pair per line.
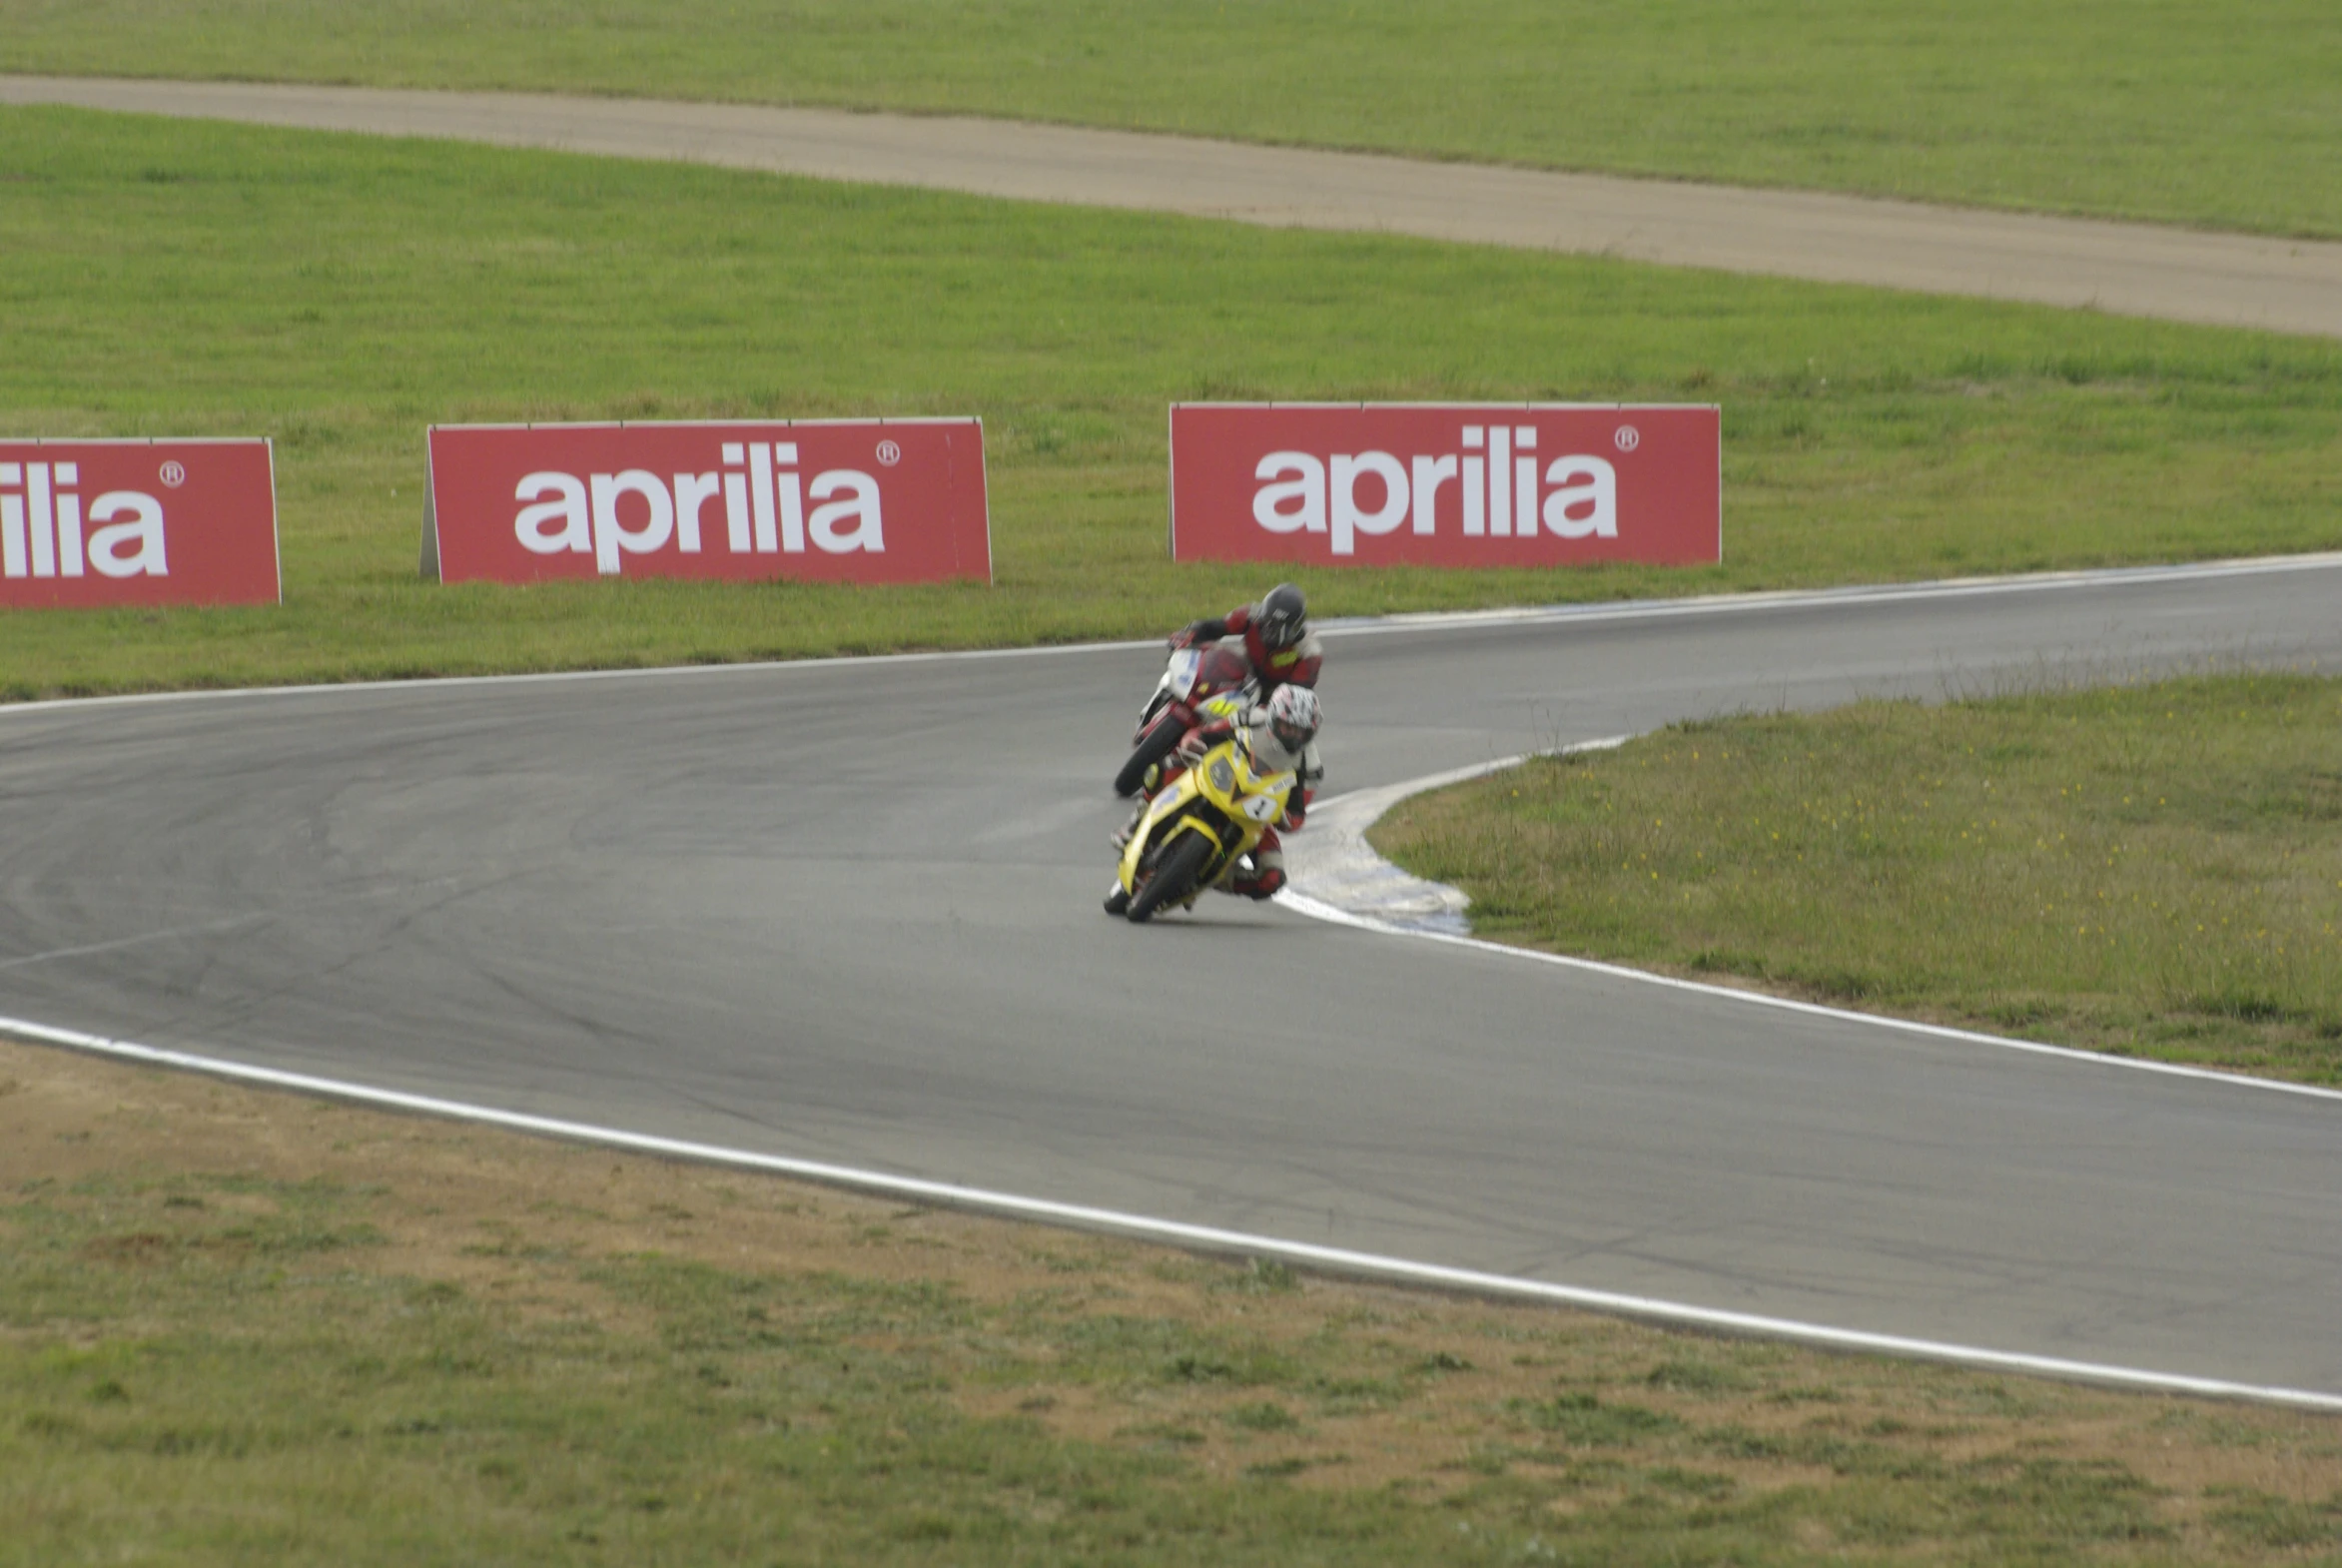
x,y
1282,735
1277,634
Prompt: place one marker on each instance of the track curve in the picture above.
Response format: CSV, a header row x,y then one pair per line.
x,y
847,911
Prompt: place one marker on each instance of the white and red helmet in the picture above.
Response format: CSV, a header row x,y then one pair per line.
x,y
1294,714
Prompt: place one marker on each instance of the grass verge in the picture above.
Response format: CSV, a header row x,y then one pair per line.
x,y
341,293
2165,110
2152,871
237,1325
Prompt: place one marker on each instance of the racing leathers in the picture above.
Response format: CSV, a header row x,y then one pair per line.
x,y
1298,663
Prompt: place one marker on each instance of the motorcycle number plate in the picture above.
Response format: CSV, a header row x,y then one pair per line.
x,y
1260,808
1180,677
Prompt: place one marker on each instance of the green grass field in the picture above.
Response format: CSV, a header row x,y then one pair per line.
x,y
340,293
2169,110
241,1327
2153,871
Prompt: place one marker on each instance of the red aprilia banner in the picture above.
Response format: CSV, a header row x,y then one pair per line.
x,y
91,524
846,500
1447,484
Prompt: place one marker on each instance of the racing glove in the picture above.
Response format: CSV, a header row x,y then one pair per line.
x,y
1202,739
1199,631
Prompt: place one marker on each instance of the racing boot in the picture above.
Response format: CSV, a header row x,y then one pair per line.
x,y
1120,838
1257,876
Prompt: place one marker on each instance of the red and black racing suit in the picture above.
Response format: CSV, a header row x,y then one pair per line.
x,y
1274,668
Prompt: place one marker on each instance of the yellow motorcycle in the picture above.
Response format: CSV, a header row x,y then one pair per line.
x,y
1194,832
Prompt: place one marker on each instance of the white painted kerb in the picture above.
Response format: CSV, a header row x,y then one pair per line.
x,y
1331,861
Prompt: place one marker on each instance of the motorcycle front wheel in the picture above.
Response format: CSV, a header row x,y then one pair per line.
x,y
1173,880
1154,744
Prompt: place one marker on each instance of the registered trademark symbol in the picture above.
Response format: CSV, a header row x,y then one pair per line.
x,y
889,454
173,474
1628,437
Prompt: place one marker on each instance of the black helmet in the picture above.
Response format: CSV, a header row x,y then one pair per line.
x,y
1282,617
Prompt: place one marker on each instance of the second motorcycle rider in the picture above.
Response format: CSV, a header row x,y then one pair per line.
x,y
1277,634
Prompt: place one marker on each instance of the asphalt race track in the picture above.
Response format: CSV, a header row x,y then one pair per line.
x,y
848,911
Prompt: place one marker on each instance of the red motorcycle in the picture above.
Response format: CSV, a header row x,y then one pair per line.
x,y
1200,684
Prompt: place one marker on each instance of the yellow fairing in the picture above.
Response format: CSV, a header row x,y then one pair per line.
x,y
1225,797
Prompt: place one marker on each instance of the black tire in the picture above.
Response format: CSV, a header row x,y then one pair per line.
x,y
1154,744
1173,880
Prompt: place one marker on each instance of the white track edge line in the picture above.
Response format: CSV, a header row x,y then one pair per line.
x,y
1335,914
548,677
1826,598
1207,1238
1315,909
1369,625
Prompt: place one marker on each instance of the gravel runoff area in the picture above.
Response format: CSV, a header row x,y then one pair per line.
x,y
2127,268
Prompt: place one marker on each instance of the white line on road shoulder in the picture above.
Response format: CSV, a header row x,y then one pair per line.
x,y
1302,904
1829,598
1204,1237
1353,848
1368,625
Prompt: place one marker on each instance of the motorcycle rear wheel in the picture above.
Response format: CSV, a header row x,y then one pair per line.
x,y
1173,880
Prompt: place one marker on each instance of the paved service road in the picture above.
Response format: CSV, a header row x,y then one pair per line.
x,y
847,911
2129,269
